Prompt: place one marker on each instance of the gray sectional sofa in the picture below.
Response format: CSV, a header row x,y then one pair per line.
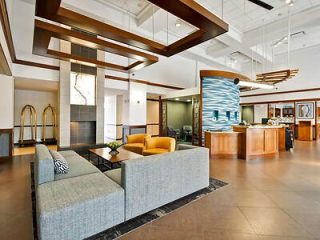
x,y
85,201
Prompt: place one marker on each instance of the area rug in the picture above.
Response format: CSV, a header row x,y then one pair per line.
x,y
128,226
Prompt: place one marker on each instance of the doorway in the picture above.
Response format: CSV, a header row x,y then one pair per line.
x,y
247,113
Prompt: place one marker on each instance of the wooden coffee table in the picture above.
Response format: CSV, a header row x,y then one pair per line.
x,y
110,161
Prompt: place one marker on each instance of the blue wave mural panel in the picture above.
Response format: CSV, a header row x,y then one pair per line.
x,y
220,104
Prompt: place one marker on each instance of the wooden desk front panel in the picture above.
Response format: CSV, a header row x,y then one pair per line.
x,y
258,142
255,141
262,142
223,145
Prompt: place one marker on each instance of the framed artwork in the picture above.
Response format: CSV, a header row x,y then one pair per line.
x,y
305,110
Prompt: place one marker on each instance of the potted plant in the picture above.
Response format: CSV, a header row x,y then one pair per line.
x,y
114,146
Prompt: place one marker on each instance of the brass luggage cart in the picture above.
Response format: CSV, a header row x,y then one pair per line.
x,y
44,139
33,125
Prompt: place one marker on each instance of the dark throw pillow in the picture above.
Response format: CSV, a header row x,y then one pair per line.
x,y
60,164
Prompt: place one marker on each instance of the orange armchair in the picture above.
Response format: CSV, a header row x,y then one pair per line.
x,y
136,142
158,145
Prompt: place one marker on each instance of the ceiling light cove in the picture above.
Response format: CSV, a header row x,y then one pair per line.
x,y
253,84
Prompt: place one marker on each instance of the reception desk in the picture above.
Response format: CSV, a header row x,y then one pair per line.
x,y
258,142
222,144
247,142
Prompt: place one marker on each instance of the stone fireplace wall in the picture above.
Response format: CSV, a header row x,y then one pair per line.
x,y
83,124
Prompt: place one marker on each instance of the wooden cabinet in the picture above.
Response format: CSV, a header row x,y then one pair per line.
x,y
305,131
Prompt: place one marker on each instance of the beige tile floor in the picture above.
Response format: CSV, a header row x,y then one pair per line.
x,y
275,199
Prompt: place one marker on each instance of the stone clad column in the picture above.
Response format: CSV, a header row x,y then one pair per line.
x,y
100,100
64,99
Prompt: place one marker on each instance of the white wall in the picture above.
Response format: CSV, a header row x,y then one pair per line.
x,y
40,100
110,116
260,111
176,71
137,104
113,118
6,101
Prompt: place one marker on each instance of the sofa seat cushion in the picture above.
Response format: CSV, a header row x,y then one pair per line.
x,y
68,153
134,147
78,166
79,207
115,175
154,151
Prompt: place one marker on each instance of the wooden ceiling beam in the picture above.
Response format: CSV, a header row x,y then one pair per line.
x,y
45,31
209,25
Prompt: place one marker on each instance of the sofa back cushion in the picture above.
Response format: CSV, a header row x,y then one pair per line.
x,y
153,181
44,167
137,138
161,142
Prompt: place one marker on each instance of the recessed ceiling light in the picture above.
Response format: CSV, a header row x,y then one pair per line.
x,y
189,100
177,99
178,23
289,2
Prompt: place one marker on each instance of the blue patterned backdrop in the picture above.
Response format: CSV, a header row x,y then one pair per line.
x,y
220,104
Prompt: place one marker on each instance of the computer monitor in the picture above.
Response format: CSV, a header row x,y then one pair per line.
x,y
264,120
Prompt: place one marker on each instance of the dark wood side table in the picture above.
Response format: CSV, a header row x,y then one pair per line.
x,y
110,161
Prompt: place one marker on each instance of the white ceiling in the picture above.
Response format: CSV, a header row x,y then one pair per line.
x,y
245,15
135,7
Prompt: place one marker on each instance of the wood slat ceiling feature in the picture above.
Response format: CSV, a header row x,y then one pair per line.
x,y
44,31
277,76
209,25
